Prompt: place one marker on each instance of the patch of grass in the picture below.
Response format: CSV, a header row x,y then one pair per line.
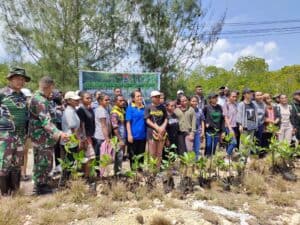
x,y
157,192
9,214
56,216
140,192
171,203
258,165
104,207
281,199
144,204
263,212
201,195
119,192
280,184
254,184
12,209
160,220
78,191
210,216
177,194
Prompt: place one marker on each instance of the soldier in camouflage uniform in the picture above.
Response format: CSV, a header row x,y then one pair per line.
x,y
14,110
44,135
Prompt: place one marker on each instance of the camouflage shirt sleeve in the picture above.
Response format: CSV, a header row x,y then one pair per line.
x,y
42,114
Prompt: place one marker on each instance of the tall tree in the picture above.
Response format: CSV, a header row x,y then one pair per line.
x,y
171,34
64,36
248,65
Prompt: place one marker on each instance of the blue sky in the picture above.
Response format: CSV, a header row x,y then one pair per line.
x,y
278,50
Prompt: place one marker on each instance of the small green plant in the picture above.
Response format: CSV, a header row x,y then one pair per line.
x,y
219,162
201,165
188,160
105,160
74,166
247,145
169,163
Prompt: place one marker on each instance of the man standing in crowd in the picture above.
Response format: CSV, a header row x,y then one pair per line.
x,y
221,96
295,117
44,135
117,91
14,101
199,94
187,125
261,109
117,117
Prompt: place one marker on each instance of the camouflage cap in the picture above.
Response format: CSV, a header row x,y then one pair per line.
x,y
17,71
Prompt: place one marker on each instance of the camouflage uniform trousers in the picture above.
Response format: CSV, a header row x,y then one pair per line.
x,y
43,160
11,152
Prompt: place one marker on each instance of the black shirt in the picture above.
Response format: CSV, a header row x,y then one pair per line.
x,y
157,114
87,117
173,128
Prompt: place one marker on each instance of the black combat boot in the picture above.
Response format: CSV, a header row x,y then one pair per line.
x,y
42,189
4,184
14,179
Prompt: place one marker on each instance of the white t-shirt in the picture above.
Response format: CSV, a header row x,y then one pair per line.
x,y
70,120
101,113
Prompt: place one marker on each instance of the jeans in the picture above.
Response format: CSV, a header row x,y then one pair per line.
x,y
97,144
259,134
234,141
118,161
211,143
197,144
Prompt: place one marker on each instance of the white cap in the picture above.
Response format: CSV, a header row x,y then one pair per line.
x,y
155,93
72,95
26,92
180,92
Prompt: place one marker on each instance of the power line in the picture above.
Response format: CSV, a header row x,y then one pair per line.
x,y
262,22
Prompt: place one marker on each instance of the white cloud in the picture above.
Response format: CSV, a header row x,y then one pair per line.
x,y
226,53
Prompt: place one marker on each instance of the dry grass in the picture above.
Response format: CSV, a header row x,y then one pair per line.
x,y
160,220
14,209
210,217
172,203
259,166
104,207
280,184
255,184
140,192
144,204
78,192
263,212
204,195
119,192
60,216
157,192
281,199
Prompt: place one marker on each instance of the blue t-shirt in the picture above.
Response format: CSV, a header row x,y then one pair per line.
x,y
135,116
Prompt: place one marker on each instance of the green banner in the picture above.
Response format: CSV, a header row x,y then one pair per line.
x,y
128,82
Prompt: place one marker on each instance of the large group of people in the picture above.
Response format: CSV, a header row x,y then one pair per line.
x,y
49,118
